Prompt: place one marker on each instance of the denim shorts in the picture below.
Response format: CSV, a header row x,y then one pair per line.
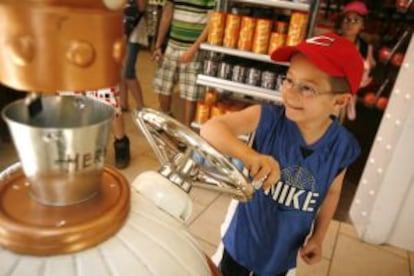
x,y
131,59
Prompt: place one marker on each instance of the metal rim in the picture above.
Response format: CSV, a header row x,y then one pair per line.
x,y
171,140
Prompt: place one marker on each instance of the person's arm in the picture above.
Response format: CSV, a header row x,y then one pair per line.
x,y
311,252
189,54
141,5
222,132
370,57
166,17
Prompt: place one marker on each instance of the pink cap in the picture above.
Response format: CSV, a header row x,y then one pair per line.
x,y
331,53
356,6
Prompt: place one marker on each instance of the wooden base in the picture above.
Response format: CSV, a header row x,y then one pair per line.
x,y
29,227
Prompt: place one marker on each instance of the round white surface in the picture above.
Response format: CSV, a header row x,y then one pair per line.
x,y
150,243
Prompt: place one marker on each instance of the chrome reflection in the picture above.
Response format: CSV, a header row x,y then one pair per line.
x,y
175,145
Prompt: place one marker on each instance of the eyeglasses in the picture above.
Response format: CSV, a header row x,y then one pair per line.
x,y
305,90
349,20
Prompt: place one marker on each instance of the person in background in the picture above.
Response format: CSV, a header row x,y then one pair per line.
x,y
121,144
297,162
182,60
133,13
351,24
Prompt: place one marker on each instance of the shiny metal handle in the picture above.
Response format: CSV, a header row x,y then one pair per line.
x,y
179,151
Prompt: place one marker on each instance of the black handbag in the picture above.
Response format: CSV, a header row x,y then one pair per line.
x,y
131,17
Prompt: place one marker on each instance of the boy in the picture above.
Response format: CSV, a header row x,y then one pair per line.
x,y
300,155
181,60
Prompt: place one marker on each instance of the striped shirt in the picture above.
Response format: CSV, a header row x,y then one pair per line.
x,y
189,20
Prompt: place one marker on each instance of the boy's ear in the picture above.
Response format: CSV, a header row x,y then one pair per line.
x,y
342,100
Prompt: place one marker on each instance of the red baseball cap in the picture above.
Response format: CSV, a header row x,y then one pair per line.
x,y
331,53
356,6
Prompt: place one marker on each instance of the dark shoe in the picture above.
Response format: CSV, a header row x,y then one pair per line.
x,y
122,156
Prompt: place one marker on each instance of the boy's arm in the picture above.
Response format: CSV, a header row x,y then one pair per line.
x,y
166,17
221,132
370,57
311,252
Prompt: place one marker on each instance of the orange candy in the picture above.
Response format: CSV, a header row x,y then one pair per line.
x,y
370,98
382,103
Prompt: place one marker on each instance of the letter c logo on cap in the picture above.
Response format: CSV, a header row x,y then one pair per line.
x,y
321,40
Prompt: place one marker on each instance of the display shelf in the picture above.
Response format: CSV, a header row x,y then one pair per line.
x,y
239,53
254,91
277,4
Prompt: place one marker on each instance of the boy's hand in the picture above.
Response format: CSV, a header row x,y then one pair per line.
x,y
311,252
264,169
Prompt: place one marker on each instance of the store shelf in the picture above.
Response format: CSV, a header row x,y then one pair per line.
x,y
254,91
277,4
239,53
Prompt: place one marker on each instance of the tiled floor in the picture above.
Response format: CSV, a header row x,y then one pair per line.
x,y
343,253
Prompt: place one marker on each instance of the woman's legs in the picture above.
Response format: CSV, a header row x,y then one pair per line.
x,y
121,143
130,81
123,94
136,90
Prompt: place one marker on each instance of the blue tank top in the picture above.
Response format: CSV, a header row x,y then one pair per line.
x,y
266,233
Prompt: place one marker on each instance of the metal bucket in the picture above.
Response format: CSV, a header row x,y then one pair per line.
x,y
62,148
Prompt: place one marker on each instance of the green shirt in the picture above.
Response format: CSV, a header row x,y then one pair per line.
x,y
189,20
